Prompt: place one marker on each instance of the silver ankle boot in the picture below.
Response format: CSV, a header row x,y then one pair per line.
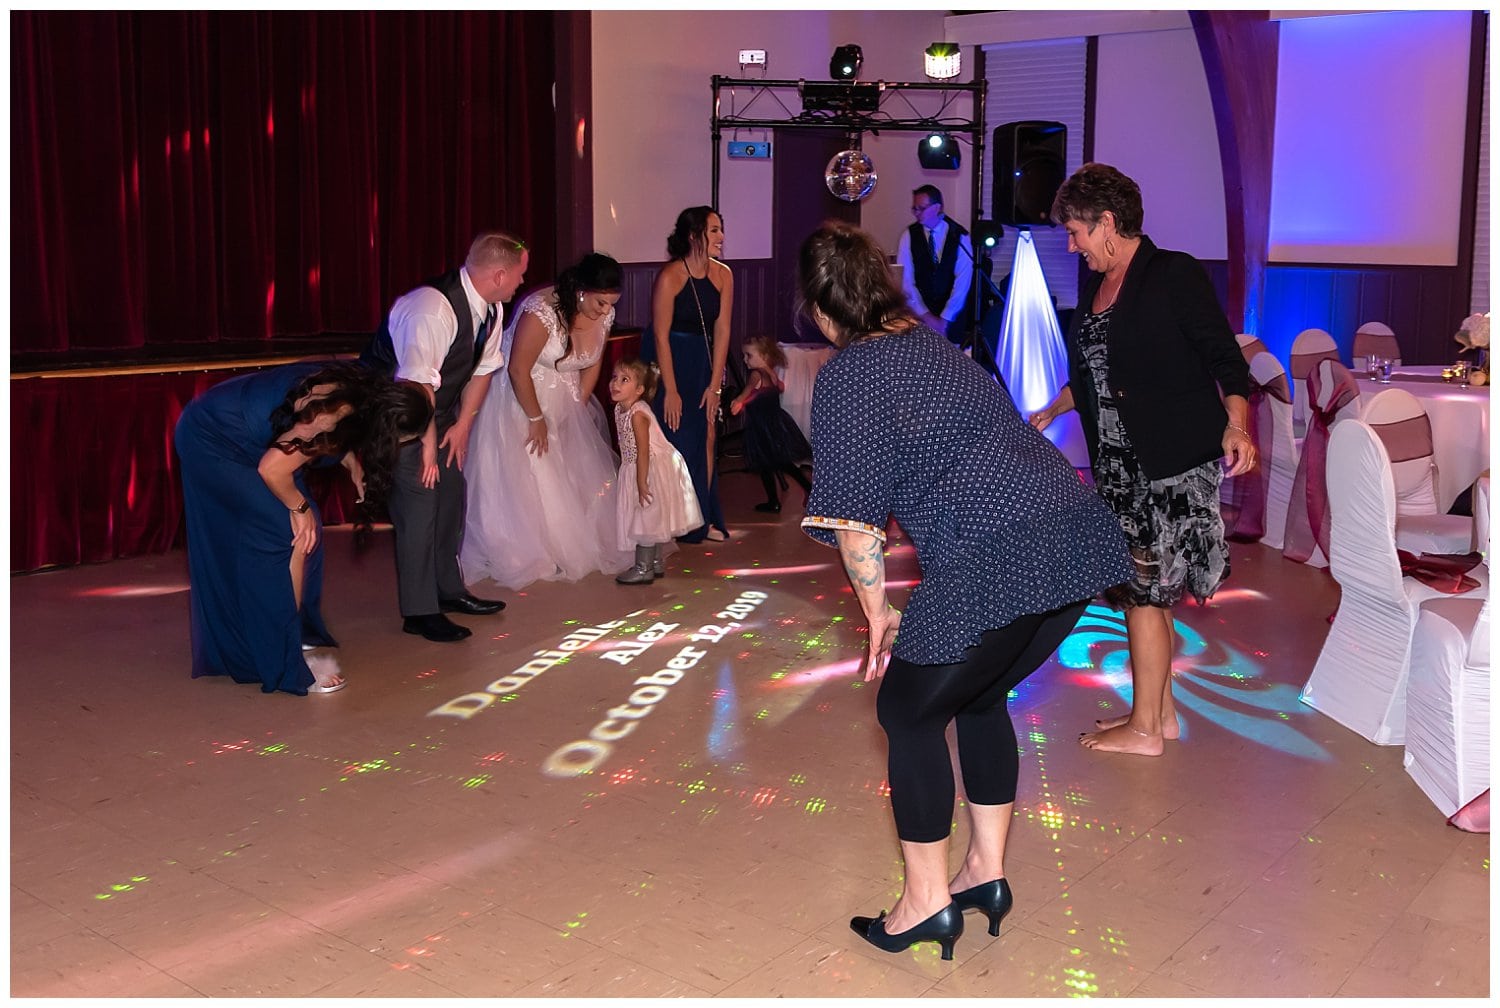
x,y
640,573
658,564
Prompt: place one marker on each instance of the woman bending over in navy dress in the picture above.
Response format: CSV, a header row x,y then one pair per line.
x,y
254,566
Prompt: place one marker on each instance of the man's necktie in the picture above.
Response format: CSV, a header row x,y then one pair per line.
x,y
932,244
484,332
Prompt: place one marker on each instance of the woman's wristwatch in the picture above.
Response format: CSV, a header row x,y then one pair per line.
x,y
301,509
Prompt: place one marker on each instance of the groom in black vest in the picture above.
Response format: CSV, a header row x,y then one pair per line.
x,y
444,335
937,266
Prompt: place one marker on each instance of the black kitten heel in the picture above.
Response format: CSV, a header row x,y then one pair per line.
x,y
943,927
993,899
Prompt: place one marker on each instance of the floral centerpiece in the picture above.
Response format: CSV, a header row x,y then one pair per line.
x,y
1474,334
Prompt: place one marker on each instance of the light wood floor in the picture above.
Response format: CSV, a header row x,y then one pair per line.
x,y
446,827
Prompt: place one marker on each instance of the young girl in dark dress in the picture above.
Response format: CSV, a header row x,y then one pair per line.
x,y
774,444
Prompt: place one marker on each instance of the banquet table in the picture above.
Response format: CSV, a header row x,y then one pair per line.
x,y
802,364
1460,424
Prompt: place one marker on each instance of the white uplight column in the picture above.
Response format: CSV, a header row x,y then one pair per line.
x,y
1031,357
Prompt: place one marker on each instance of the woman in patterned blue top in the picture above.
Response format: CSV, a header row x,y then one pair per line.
x,y
1011,544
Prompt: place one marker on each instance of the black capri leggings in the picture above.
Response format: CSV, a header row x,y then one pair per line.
x,y
916,702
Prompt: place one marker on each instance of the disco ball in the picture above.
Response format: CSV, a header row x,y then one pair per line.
x,y
850,175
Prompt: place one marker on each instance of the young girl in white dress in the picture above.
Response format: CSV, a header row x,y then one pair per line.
x,y
655,499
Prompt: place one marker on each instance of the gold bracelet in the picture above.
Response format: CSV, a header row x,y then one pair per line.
x,y
534,419
1240,429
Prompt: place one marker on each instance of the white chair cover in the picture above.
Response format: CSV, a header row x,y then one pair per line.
x,y
1277,448
1400,420
1250,346
1359,679
1448,702
1482,515
1374,339
1310,346
802,364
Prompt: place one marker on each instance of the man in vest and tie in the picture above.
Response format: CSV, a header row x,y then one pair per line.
x,y
444,335
937,265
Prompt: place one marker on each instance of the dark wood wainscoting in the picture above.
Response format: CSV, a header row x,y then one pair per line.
x,y
1415,301
754,311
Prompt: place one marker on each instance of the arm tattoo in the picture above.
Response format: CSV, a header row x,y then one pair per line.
x,y
864,562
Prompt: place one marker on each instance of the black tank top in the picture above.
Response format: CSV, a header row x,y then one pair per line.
x,y
685,309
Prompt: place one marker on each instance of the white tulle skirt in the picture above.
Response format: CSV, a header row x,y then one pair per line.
x,y
673,510
540,518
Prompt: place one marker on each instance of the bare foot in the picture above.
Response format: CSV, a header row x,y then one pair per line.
x,y
1123,739
1170,729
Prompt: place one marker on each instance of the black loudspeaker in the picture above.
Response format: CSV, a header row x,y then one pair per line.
x,y
1029,159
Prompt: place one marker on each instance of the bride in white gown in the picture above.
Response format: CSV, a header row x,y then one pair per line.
x,y
540,470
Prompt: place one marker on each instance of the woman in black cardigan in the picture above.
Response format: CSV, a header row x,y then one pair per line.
x,y
1149,354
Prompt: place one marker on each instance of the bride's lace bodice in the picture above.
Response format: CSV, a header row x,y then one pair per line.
x,y
557,366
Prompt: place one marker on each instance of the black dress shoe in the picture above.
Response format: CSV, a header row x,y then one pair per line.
x,y
769,507
471,606
943,927
993,899
435,627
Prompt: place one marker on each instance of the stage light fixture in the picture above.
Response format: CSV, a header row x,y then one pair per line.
x,y
846,62
938,150
840,99
942,60
987,234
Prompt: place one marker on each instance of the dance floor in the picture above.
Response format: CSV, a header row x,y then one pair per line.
x,y
679,790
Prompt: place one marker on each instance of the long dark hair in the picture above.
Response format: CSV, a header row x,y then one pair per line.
x,y
691,223
594,273
844,273
383,413
352,384
399,411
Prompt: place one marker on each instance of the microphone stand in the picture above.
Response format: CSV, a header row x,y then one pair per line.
x,y
977,312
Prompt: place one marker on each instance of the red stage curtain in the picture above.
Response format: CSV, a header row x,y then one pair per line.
x,y
194,177
93,472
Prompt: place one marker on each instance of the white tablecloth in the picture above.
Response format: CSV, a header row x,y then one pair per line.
x,y
802,364
1460,429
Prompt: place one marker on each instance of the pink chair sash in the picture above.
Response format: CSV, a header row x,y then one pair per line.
x,y
1447,572
1407,439
1304,364
1307,526
1250,349
1376,345
1279,388
1245,511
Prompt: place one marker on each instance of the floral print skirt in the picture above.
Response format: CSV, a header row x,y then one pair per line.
x,y
1173,526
